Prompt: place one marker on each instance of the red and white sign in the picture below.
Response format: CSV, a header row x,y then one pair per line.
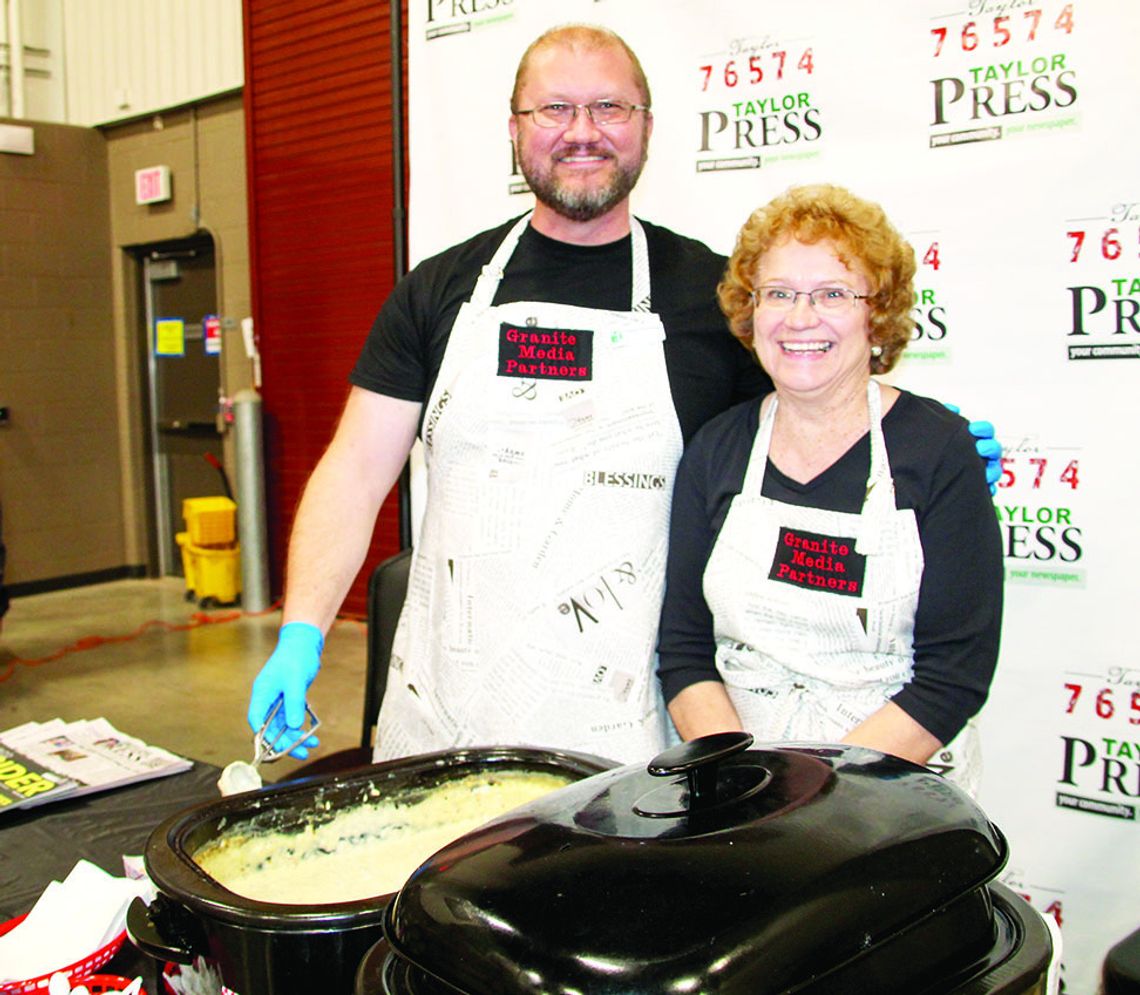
x,y
152,185
212,334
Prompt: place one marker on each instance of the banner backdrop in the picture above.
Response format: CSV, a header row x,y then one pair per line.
x,y
1000,137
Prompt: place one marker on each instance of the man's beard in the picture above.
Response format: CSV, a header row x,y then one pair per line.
x,y
582,204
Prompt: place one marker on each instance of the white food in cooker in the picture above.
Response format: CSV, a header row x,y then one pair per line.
x,y
368,850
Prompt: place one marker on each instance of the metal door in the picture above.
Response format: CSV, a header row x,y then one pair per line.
x,y
184,386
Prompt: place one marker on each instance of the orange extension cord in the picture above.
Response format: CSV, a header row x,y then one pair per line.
x,y
196,619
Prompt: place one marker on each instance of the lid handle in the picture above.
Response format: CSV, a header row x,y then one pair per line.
x,y
698,760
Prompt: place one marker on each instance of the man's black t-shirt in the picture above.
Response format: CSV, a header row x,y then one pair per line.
x,y
709,371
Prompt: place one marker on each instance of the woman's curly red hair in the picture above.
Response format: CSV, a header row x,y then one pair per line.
x,y
865,241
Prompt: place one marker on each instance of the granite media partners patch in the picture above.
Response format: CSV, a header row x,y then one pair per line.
x,y
545,353
828,563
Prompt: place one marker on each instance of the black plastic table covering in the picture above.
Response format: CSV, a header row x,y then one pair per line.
x,y
43,844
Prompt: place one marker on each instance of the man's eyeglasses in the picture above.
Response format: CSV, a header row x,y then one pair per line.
x,y
561,113
830,300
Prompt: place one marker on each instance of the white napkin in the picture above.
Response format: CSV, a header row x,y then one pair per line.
x,y
199,978
72,919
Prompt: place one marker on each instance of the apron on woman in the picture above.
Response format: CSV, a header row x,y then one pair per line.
x,y
814,610
551,443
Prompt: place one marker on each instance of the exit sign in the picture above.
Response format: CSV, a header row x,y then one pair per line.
x,y
152,185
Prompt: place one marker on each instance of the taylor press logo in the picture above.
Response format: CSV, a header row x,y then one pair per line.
x,y
1002,71
929,340
759,106
1038,508
516,182
1104,288
1100,761
453,17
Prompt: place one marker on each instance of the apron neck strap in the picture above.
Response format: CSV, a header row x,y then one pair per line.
x,y
880,461
492,274
758,461
640,298
879,501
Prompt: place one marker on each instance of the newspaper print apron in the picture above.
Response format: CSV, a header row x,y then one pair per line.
x,y
551,442
814,610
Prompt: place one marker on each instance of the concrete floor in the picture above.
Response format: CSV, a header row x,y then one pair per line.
x,y
158,668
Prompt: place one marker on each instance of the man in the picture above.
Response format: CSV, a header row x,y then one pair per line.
x,y
553,367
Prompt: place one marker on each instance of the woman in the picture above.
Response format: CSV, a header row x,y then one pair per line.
x,y
834,561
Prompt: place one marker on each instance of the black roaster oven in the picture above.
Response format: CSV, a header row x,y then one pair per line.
x,y
806,869
264,948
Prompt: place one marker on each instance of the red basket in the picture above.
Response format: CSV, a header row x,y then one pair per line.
x,y
96,984
170,969
79,969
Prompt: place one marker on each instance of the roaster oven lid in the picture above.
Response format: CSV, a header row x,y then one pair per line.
x,y
715,867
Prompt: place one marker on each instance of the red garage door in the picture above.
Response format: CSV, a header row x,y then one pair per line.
x,y
318,102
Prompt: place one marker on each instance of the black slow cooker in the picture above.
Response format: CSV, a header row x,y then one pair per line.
x,y
266,948
805,869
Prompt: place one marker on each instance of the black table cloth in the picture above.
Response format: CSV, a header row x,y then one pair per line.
x,y
43,844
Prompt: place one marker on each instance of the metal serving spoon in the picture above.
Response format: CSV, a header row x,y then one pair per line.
x,y
240,776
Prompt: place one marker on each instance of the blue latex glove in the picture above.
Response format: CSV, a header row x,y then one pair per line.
x,y
987,446
288,673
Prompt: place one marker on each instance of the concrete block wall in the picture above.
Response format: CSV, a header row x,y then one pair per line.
x,y
59,454
73,460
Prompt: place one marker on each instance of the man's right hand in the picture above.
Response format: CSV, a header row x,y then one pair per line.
x,y
287,674
327,548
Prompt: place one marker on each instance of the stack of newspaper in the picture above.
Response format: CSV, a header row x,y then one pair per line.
x,y
46,761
